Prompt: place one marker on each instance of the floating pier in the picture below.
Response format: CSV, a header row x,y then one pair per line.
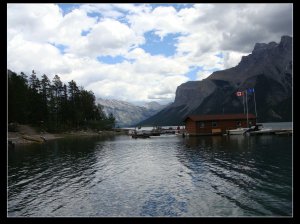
x,y
272,132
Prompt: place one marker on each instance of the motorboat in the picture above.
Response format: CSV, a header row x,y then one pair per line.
x,y
237,131
258,129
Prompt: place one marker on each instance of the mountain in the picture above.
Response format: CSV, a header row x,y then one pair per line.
x,y
268,69
128,114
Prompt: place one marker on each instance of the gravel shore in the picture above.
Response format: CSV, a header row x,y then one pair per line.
x,y
28,135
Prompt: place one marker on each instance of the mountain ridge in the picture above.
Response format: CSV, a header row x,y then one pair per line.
x,y
128,114
268,69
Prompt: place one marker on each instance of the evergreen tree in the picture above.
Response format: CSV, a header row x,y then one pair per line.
x,y
55,105
24,77
45,88
73,91
64,110
112,120
102,115
35,100
45,94
34,82
17,98
56,88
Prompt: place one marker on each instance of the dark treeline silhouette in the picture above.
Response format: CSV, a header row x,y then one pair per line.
x,y
52,105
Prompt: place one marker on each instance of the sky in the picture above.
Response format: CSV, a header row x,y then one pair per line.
x,y
138,52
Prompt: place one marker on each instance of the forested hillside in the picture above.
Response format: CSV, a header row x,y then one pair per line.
x,y
53,105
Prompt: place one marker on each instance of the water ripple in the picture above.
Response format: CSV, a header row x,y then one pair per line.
x,y
152,177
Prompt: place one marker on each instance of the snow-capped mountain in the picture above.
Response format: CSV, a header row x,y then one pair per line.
x,y
128,114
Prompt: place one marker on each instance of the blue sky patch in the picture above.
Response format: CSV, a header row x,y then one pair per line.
x,y
177,6
67,7
111,60
94,14
85,32
192,74
62,48
155,46
220,55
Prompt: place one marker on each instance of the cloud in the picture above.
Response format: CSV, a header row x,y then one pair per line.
x,y
255,23
163,20
35,22
111,37
146,63
210,36
69,30
232,58
27,55
274,18
105,10
141,80
203,74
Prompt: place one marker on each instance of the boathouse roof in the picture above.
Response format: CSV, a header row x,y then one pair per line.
x,y
213,117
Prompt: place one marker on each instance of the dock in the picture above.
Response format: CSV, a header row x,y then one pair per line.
x,y
273,132
143,135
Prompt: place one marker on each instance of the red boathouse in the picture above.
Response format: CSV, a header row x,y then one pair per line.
x,y
216,124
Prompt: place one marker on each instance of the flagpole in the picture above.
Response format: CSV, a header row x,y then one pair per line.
x,y
244,102
247,109
255,104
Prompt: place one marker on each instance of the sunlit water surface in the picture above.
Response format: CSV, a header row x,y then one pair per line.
x,y
160,176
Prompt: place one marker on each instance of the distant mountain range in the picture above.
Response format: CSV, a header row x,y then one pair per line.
x,y
128,114
268,69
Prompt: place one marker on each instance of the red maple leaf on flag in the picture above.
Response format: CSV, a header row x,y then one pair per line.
x,y
239,93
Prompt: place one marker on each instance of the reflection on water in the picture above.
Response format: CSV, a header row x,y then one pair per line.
x,y
253,173
162,176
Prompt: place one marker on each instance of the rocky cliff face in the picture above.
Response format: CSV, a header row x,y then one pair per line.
x,y
192,94
127,114
268,69
271,59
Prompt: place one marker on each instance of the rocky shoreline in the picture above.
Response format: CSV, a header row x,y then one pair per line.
x,y
28,135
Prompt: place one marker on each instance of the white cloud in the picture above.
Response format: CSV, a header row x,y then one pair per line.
x,y
69,30
146,78
205,31
163,20
110,37
232,58
106,10
35,22
115,11
146,63
26,55
203,74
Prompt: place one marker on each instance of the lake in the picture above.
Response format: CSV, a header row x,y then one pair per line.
x,y
165,176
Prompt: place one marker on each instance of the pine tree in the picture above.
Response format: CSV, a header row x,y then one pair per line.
x,y
35,100
34,82
73,91
56,89
45,94
17,98
64,110
55,105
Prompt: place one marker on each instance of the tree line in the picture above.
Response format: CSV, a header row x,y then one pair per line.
x,y
53,105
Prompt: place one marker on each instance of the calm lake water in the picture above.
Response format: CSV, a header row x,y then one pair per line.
x,y
161,176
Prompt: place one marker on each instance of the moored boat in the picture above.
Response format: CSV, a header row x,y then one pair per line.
x,y
237,131
259,129
284,132
143,135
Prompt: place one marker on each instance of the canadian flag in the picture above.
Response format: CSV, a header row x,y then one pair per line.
x,y
239,93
